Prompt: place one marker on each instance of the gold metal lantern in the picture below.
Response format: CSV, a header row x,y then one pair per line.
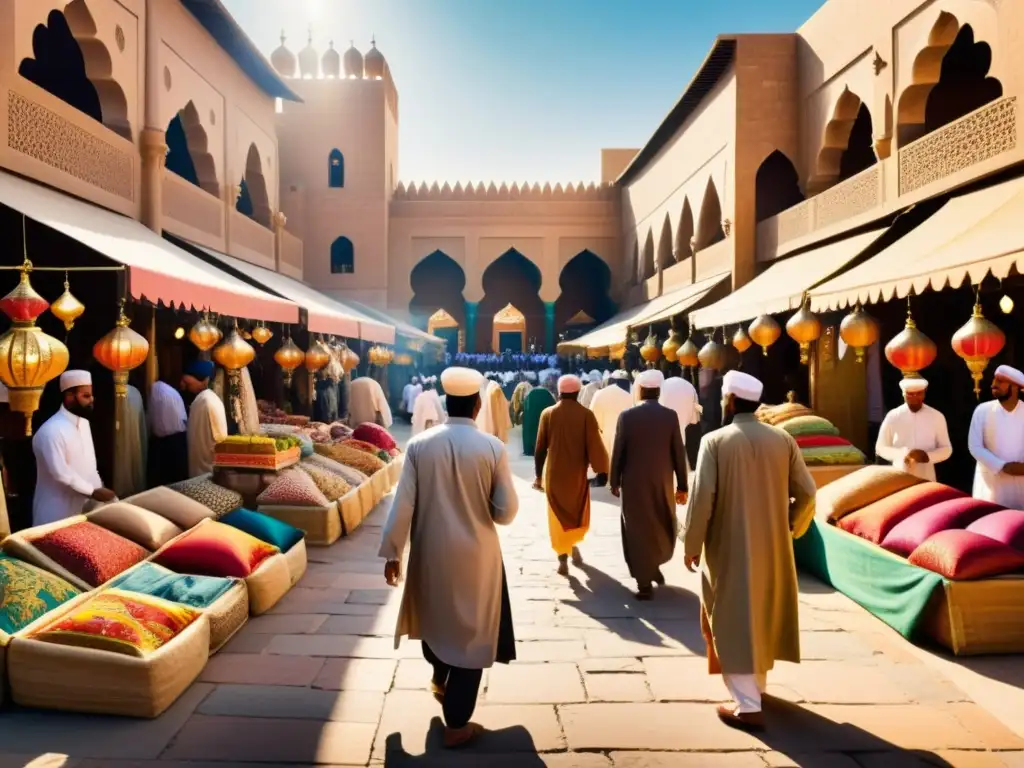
x,y
234,353
317,356
261,334
204,334
712,355
649,350
764,332
741,340
804,328
289,357
121,351
670,349
977,342
67,308
859,330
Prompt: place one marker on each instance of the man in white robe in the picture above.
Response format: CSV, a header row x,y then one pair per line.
x,y
168,443
996,441
594,384
207,418
410,392
427,411
368,404
66,474
609,403
914,436
681,396
456,487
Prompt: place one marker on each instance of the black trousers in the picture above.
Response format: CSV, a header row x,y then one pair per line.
x,y
461,687
168,459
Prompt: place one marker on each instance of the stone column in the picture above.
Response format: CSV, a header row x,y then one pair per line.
x,y
471,308
154,158
277,223
549,326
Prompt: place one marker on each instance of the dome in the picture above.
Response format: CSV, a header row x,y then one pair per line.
x,y
375,63
353,62
309,62
330,64
283,59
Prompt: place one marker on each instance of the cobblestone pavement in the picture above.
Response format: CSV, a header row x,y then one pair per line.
x,y
601,681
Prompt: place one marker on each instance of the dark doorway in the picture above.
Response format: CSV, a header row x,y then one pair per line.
x,y
777,186
964,85
585,282
437,283
860,150
511,279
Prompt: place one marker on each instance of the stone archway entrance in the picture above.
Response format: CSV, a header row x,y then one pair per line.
x,y
509,332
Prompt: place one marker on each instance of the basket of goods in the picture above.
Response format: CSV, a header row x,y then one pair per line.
x,y
257,452
373,450
818,438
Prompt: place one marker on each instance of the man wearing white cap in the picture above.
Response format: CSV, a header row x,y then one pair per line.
x,y
427,410
608,405
742,520
568,443
456,485
594,384
649,471
66,474
914,436
996,441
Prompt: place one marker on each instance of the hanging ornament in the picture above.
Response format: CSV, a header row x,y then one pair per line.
x,y
29,358
261,334
349,359
977,342
712,355
688,353
764,332
289,357
741,341
670,349
859,330
67,308
204,334
650,351
317,356
804,328
234,353
910,350
121,350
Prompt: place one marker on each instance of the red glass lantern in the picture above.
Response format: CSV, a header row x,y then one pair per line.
x,y
910,350
977,342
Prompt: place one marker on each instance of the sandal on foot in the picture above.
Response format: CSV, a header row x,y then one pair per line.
x,y
460,737
437,691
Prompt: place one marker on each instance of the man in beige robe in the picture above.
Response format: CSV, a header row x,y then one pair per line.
x,y
456,486
741,518
494,418
368,404
568,442
207,417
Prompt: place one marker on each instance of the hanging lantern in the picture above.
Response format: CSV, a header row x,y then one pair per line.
x,y
859,330
670,349
650,351
688,353
261,334
234,353
121,350
977,342
28,357
349,359
317,356
67,308
741,341
712,355
289,357
204,334
764,332
910,350
804,328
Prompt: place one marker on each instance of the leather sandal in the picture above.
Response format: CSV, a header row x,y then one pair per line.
x,y
460,737
741,721
437,691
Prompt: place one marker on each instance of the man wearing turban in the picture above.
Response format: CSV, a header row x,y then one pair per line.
x,y
996,441
207,419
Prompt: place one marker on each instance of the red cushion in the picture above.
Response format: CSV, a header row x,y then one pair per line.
x,y
874,521
1006,525
967,555
93,554
907,536
215,549
821,441
374,434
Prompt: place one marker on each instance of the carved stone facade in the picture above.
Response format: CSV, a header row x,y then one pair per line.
x,y
854,196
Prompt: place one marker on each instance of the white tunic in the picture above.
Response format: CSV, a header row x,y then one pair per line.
x,y
409,395
456,485
427,408
681,396
166,410
494,418
366,400
607,405
66,473
903,431
207,426
591,389
996,438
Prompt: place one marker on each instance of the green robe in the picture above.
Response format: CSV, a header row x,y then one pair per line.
x,y
538,399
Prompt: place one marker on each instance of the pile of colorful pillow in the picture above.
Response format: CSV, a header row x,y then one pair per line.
x,y
818,438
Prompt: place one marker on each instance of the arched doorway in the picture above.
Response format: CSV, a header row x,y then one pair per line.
x,y
437,282
684,233
509,332
647,270
777,186
847,147
446,327
511,279
709,223
187,151
585,283
254,201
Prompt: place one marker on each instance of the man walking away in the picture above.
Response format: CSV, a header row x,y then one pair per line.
x,y
568,442
742,519
456,485
649,472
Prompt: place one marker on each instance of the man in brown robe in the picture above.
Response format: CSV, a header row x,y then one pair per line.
x,y
742,519
568,442
649,472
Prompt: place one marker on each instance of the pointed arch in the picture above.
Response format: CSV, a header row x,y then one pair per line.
x,y
709,223
511,279
71,63
684,232
776,186
343,256
336,169
188,154
634,263
254,201
665,257
847,147
585,283
437,283
647,264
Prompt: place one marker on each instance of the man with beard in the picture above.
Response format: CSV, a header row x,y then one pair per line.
x,y
752,495
207,418
66,474
996,441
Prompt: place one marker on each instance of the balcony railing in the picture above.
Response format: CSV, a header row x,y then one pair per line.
x,y
251,241
192,212
291,255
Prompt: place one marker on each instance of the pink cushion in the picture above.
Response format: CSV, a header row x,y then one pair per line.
x,y
967,555
93,554
908,535
1006,525
215,549
293,487
874,521
375,435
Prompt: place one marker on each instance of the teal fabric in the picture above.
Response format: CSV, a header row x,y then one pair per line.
x,y
157,581
26,593
534,405
884,584
265,528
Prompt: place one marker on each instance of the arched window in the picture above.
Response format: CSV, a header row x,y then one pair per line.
x,y
336,170
343,257
244,204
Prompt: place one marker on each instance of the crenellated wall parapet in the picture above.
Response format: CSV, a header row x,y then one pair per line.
x,y
505,192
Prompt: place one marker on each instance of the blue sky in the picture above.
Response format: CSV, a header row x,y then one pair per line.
x,y
522,90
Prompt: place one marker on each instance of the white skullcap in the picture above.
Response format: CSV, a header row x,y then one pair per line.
x,y
913,385
70,379
607,375
1010,374
569,384
742,385
650,379
594,377
620,375
4,396
461,382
